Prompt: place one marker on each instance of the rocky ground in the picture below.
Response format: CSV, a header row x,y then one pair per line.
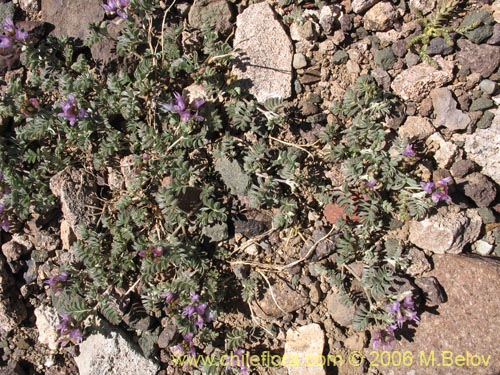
x,y
448,110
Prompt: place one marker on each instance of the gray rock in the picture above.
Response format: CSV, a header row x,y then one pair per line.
x,y
104,52
308,31
279,302
423,6
339,312
495,38
487,215
462,168
216,232
486,120
483,147
418,81
327,17
359,6
112,354
446,233
266,53
488,86
76,190
471,285
385,58
7,11
399,48
446,112
411,59
433,292
438,46
444,152
480,189
299,61
419,263
72,17
416,128
233,176
380,17
216,13
305,345
340,57
483,59
13,252
479,33
481,104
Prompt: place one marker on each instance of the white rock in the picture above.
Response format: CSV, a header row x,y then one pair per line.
x,y
380,17
112,354
359,6
46,321
482,247
423,6
417,82
483,147
444,152
446,233
496,10
304,350
265,53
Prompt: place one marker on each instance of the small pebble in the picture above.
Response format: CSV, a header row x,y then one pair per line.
x,y
488,86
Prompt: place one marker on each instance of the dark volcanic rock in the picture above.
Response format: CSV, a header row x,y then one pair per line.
x,y
483,59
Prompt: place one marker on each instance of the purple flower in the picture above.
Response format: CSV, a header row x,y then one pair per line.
x,y
188,337
427,186
71,112
201,308
157,251
76,336
21,35
195,297
6,41
141,253
62,327
439,190
168,295
187,112
408,151
440,196
56,282
11,31
210,316
394,308
383,339
408,302
5,225
8,26
117,6
2,208
199,322
188,311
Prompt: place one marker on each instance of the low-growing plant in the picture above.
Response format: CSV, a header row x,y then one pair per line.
x,y
433,27
180,152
